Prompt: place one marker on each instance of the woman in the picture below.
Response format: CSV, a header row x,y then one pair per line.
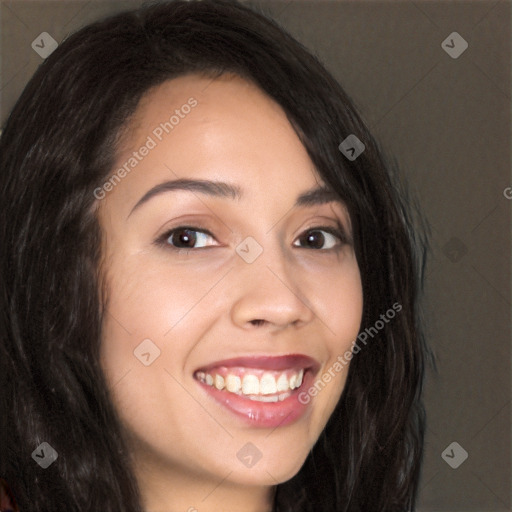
x,y
277,365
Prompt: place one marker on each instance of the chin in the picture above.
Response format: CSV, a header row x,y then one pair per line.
x,y
271,473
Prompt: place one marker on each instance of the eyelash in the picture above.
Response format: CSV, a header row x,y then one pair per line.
x,y
162,241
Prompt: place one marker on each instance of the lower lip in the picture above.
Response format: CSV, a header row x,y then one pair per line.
x,y
263,414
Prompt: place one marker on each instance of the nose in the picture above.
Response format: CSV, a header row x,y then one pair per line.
x,y
268,292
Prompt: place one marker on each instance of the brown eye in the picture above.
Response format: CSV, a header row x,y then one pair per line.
x,y
185,237
316,238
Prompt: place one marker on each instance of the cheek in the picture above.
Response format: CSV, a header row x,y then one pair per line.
x,y
148,332
339,305
337,298
151,306
132,323
148,298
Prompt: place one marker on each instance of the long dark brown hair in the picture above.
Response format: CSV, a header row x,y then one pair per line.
x,y
59,144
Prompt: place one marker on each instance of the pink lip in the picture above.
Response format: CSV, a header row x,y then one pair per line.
x,y
265,414
275,363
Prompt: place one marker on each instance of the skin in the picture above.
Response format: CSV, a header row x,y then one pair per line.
x,y
197,307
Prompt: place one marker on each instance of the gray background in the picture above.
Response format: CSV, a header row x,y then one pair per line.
x,y
447,123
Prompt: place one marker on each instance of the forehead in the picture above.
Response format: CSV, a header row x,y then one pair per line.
x,y
223,129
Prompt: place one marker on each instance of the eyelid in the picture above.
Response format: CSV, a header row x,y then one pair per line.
x,y
338,230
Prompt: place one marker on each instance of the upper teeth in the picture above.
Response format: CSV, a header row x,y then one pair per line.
x,y
252,382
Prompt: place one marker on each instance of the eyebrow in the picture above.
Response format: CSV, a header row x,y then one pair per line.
x,y
313,197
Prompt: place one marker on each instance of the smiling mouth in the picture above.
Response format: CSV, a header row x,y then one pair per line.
x,y
262,390
256,384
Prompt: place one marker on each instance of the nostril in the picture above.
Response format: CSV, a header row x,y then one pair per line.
x,y
257,322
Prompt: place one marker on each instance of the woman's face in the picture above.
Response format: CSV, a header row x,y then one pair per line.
x,y
258,290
